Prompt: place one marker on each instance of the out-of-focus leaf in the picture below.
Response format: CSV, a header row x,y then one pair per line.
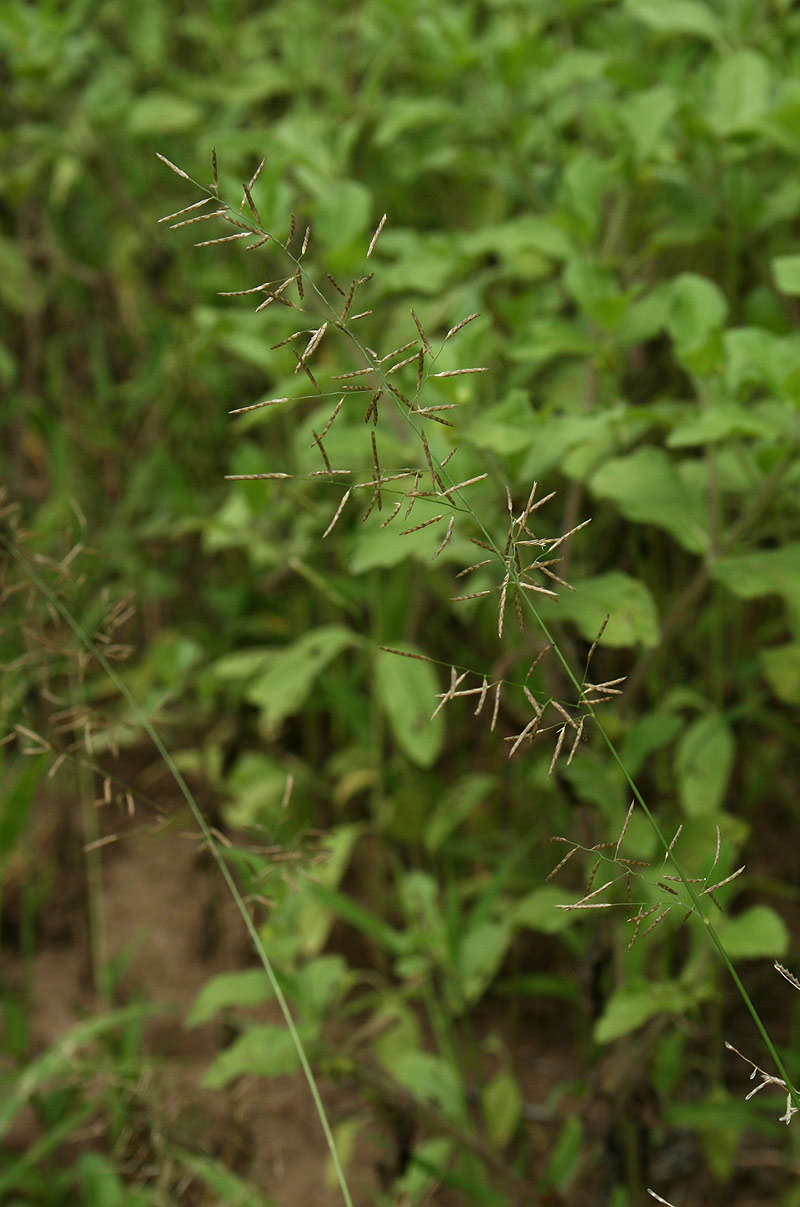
x,y
407,690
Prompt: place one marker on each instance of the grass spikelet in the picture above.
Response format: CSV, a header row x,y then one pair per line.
x,y
376,236
186,210
173,167
460,372
337,513
446,539
257,406
459,326
422,335
425,524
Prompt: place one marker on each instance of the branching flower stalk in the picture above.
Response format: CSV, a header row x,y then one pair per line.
x,y
377,380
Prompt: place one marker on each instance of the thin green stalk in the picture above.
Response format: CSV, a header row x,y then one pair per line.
x,y
208,839
458,501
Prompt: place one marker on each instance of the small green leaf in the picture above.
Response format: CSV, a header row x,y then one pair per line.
x,y
262,1051
741,93
161,112
764,572
284,687
786,271
678,17
249,987
407,691
502,1108
630,1007
429,1078
781,665
704,762
537,909
631,609
480,954
697,309
456,804
756,934
647,488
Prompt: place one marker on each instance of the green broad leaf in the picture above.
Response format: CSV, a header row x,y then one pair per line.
x,y
755,357
646,487
704,763
758,933
630,1007
646,115
781,666
538,911
786,271
741,92
342,213
519,237
250,987
653,732
507,427
162,112
597,293
284,687
317,915
719,422
633,619
697,309
321,982
543,341
765,572
455,806
562,1165
430,1079
375,548
480,954
502,1108
678,17
255,790
407,691
260,1051
427,1166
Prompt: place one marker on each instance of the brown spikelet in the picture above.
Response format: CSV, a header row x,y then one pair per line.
x,y
560,742
459,326
306,240
321,447
377,468
186,210
372,409
424,524
329,424
251,203
292,227
173,166
337,513
460,372
447,536
376,236
561,863
422,335
224,239
347,302
214,171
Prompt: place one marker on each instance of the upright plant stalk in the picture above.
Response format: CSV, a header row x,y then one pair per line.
x,y
208,839
457,500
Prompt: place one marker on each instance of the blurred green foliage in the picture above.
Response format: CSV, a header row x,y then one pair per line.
x,y
614,188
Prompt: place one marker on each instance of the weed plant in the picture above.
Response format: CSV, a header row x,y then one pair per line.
x,y
410,382
622,183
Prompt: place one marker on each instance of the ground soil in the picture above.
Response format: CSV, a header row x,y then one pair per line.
x,y
170,922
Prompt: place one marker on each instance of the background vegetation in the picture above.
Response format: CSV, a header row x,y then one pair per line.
x,y
613,187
